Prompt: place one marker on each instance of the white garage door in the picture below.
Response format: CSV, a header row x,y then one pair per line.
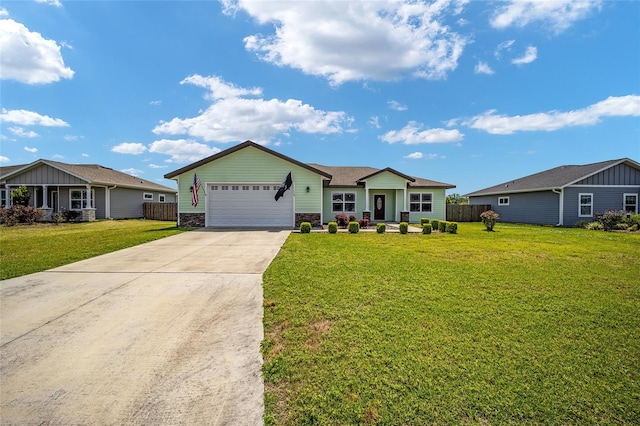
x,y
250,205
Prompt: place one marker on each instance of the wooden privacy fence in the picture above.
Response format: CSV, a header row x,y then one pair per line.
x,y
466,212
160,211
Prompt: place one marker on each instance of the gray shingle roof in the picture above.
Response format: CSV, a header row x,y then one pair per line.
x,y
555,178
351,176
94,174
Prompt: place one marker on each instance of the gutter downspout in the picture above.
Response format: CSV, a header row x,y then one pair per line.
x,y
560,192
107,212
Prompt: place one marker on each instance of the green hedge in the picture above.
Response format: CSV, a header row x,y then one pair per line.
x,y
404,227
381,228
424,221
435,223
452,227
426,228
354,227
305,227
333,227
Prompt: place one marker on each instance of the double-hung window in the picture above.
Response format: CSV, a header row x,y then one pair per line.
x,y
3,197
631,203
343,202
503,201
585,205
78,199
421,202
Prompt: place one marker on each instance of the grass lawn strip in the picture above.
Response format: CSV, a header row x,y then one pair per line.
x,y
26,249
527,324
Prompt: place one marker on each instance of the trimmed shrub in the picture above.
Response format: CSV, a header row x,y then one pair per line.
x,y
423,221
442,226
342,220
404,227
634,219
489,218
426,228
71,215
435,223
364,223
610,218
305,227
333,227
451,228
354,227
381,228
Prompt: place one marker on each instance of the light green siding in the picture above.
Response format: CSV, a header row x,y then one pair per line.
x,y
328,214
391,199
439,208
251,165
386,180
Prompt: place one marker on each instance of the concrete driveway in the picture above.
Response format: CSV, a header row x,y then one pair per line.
x,y
167,332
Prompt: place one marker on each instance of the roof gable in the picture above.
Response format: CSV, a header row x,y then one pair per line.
x,y
92,174
221,154
556,178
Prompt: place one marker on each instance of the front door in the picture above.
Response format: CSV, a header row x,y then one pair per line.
x,y
378,207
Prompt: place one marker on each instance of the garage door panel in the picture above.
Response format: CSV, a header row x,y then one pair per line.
x,y
227,206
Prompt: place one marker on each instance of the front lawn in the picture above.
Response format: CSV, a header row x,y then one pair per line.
x,y
524,325
25,249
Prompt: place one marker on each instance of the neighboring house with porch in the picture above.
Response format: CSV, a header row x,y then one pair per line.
x,y
95,191
237,188
565,195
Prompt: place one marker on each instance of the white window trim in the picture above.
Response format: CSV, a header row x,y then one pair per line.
x,y
624,201
501,202
580,205
420,202
147,196
355,201
4,196
93,198
162,198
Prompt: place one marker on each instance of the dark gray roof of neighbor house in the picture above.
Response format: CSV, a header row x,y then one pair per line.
x,y
555,178
347,176
93,174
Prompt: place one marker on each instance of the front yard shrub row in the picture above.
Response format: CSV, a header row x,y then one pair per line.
x,y
426,228
381,228
404,227
333,227
19,214
612,220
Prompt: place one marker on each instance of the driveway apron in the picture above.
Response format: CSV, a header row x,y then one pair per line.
x,y
167,332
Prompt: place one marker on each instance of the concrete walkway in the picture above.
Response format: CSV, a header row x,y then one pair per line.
x,y
167,332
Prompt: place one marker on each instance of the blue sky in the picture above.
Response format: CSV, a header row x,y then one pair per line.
x,y
472,93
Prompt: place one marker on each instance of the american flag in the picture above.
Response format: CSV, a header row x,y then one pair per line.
x,y
194,190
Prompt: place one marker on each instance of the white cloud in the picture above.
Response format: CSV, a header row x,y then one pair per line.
x,y
55,3
156,166
20,132
30,118
397,105
622,106
131,171
57,157
414,155
374,122
232,118
72,138
28,57
359,40
4,159
505,45
529,56
411,134
84,155
28,149
483,68
3,12
155,103
182,150
558,15
132,148
434,156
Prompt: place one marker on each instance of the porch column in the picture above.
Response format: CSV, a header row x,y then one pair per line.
x,y
45,198
89,205
404,198
366,197
8,189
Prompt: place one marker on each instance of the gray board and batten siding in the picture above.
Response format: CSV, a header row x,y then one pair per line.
x,y
45,173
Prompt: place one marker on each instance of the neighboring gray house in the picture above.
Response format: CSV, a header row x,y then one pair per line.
x,y
565,195
97,192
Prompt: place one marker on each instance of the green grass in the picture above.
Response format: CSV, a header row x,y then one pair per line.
x,y
33,248
526,325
